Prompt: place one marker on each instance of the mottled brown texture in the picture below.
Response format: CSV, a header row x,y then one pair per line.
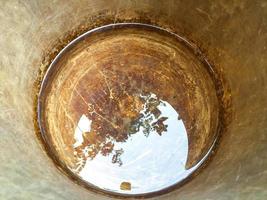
x,y
102,77
233,35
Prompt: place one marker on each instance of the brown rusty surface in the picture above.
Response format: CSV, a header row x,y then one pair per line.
x,y
232,34
103,76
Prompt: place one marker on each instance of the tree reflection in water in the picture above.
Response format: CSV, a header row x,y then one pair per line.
x,y
132,144
145,117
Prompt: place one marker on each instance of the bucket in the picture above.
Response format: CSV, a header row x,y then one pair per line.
x,y
82,82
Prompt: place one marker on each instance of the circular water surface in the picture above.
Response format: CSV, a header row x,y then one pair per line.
x,y
128,109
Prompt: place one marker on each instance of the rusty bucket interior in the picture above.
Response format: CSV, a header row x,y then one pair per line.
x,y
133,99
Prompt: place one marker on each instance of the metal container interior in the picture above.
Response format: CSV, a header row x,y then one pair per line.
x,y
232,34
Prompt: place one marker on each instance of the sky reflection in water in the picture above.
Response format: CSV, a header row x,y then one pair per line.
x,y
151,159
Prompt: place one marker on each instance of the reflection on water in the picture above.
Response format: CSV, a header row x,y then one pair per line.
x,y
151,156
108,108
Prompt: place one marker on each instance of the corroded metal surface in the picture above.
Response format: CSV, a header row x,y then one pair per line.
x,y
110,87
232,34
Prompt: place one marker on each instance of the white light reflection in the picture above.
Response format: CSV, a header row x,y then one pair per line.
x,y
84,126
149,163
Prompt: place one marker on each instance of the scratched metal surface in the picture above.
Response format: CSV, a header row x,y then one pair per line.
x,y
233,35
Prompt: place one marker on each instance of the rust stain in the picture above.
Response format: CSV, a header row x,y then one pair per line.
x,y
102,96
125,186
